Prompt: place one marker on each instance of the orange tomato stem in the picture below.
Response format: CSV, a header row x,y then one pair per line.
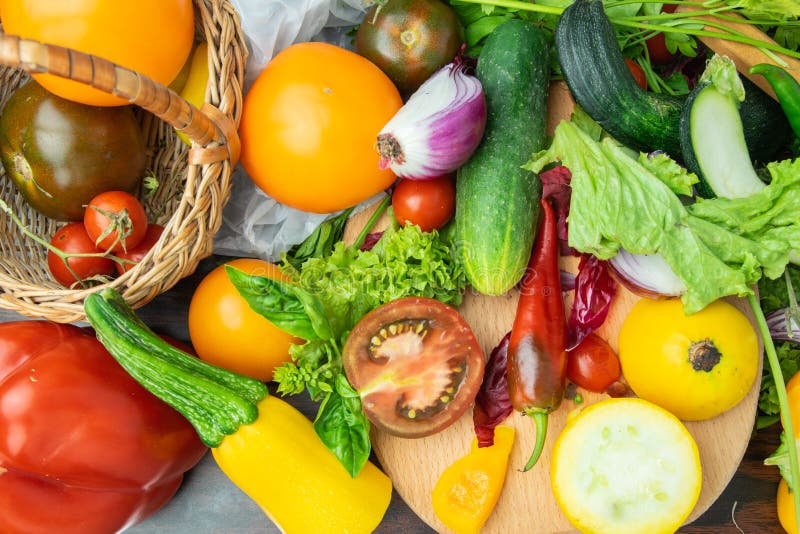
x,y
540,420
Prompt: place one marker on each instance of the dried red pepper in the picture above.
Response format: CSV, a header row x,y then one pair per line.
x,y
537,356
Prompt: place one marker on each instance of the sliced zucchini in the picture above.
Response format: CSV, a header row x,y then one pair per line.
x,y
712,137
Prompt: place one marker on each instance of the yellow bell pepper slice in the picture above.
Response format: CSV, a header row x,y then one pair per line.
x,y
467,491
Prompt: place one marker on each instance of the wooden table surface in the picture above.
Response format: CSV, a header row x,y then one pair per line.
x,y
209,504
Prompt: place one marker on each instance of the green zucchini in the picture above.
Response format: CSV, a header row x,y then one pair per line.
x,y
600,82
497,201
712,138
766,129
215,401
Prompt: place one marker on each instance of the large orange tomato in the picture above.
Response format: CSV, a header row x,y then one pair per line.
x,y
152,37
309,127
226,332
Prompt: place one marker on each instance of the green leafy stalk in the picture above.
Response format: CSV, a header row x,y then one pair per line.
x,y
783,401
674,24
320,242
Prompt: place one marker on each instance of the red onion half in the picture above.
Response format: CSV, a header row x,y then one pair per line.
x,y
439,127
647,275
783,326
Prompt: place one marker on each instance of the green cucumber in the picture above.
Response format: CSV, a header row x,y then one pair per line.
x,y
711,134
497,201
600,82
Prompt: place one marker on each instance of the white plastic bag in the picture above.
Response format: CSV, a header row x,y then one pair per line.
x,y
253,224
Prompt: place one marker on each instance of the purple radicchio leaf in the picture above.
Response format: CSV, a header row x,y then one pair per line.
x,y
370,240
556,188
594,290
492,404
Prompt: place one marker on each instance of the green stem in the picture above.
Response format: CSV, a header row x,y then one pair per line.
x,y
215,401
371,222
783,401
540,420
628,23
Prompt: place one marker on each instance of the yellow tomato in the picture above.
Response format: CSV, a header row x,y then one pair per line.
x,y
226,332
310,124
696,366
194,88
152,37
786,508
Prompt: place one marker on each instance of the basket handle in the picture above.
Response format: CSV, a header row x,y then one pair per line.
x,y
204,127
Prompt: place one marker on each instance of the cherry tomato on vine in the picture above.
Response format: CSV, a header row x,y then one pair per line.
x,y
115,220
137,253
593,364
427,203
72,238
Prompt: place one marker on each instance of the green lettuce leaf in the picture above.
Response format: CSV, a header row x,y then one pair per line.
x,y
717,247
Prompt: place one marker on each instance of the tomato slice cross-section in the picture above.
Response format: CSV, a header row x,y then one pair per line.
x,y
416,365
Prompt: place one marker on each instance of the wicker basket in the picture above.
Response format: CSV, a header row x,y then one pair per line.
x,y
194,184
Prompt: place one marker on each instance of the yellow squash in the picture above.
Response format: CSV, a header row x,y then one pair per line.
x,y
467,491
279,461
267,448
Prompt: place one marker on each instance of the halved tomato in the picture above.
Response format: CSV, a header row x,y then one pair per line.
x,y
416,365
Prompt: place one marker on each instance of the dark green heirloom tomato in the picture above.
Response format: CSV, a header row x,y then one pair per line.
x,y
409,39
61,154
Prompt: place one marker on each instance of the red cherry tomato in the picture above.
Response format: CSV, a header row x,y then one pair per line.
x,y
638,73
115,220
427,203
72,238
137,253
593,364
657,45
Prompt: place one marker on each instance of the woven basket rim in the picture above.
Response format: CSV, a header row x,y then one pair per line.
x,y
188,233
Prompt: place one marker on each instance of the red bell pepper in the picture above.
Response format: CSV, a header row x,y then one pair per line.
x,y
537,357
83,447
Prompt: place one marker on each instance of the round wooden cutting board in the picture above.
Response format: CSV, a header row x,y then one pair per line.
x,y
527,503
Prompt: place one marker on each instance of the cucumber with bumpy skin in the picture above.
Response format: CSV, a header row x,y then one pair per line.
x,y
497,201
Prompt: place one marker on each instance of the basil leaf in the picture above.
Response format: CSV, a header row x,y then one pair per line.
x,y
275,300
321,241
343,427
315,312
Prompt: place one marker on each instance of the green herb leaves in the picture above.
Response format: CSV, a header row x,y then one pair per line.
x,y
332,287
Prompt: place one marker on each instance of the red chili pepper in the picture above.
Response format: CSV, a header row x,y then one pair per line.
x,y
537,356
